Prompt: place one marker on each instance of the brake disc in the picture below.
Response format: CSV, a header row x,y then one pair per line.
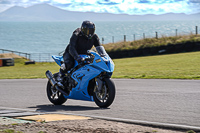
x,y
101,95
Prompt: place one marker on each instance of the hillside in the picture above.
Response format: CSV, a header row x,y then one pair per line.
x,y
151,42
153,46
45,12
10,55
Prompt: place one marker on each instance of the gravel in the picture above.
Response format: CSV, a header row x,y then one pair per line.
x,y
81,126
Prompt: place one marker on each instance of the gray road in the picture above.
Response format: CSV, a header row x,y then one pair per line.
x,y
153,100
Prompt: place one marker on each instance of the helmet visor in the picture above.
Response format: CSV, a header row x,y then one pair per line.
x,y
90,32
88,29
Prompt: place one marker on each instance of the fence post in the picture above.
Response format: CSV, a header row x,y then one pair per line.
x,y
196,30
102,40
134,37
39,57
29,56
124,38
113,39
176,32
143,35
49,56
156,35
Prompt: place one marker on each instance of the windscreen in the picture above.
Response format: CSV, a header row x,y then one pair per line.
x,y
101,51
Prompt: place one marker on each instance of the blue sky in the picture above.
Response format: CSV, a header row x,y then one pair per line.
x,y
136,7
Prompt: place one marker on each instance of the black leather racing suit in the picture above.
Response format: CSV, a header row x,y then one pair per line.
x,y
79,44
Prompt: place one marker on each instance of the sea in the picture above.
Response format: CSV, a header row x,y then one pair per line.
x,y
53,37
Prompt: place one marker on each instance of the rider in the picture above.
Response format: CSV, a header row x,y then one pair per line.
x,y
82,40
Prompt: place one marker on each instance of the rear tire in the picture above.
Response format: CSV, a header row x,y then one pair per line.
x,y
106,97
54,95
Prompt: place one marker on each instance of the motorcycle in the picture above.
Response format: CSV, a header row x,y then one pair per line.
x,y
89,80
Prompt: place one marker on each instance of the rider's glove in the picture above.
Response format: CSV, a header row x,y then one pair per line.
x,y
80,59
63,67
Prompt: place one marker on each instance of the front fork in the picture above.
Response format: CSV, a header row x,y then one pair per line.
x,y
100,89
99,84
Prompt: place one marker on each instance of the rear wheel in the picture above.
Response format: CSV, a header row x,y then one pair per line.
x,y
105,97
54,95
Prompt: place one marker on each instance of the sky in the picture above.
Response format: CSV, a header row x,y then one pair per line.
x,y
132,7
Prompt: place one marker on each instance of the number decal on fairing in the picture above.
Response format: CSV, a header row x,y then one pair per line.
x,y
78,76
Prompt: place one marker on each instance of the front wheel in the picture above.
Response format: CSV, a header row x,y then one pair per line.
x,y
54,95
106,96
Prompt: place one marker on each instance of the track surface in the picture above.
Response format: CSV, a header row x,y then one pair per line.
x,y
153,100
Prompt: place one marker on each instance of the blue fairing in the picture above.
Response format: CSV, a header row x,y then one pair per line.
x,y
58,59
106,64
84,74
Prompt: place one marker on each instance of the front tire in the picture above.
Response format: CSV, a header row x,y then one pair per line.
x,y
54,95
107,95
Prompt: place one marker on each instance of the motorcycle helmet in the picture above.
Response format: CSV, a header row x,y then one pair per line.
x,y
88,29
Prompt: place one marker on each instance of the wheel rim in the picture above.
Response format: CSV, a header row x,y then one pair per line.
x,y
102,95
55,94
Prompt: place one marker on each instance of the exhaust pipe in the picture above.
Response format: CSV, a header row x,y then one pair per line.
x,y
49,75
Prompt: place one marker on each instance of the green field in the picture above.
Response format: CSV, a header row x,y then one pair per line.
x,y
172,66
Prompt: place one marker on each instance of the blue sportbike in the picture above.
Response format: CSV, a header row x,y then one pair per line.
x,y
89,80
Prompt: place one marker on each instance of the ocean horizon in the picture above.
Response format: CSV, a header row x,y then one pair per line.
x,y
53,37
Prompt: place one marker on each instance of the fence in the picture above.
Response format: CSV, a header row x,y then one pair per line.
x,y
38,57
42,57
26,55
134,37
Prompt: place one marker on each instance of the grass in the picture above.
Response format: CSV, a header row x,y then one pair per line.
x,y
21,71
151,42
191,131
9,131
41,132
173,66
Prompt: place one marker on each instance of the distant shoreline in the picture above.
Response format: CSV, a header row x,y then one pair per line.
x,y
46,12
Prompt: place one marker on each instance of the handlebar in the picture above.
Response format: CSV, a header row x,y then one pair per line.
x,y
87,60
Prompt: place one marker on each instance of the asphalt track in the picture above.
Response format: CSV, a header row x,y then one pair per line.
x,y
161,102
